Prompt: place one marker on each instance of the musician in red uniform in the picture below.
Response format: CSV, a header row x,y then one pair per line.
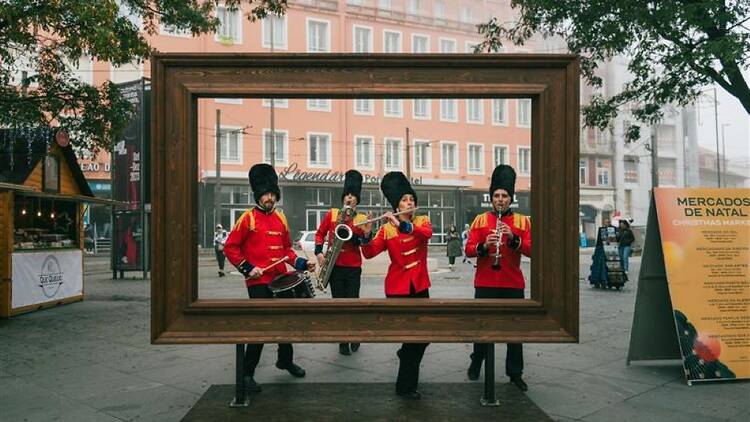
x,y
347,270
506,281
405,237
260,238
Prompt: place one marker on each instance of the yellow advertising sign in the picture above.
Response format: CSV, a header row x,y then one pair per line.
x,y
705,238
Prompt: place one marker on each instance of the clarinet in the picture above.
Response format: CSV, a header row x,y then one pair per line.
x,y
497,255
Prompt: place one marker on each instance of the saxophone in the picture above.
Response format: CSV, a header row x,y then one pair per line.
x,y
334,248
498,255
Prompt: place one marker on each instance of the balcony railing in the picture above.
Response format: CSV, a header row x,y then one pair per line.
x,y
320,5
399,16
591,146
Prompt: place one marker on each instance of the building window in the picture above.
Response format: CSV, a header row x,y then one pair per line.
x,y
583,172
364,152
393,108
420,43
173,31
422,109
413,7
449,110
499,155
318,196
274,26
476,158
629,202
393,150
277,102
319,105
51,173
499,112
231,145
524,160
438,11
384,4
447,45
466,16
318,36
449,157
319,149
391,41
281,146
602,172
355,2
230,25
471,46
364,107
631,169
362,39
474,110
524,113
422,156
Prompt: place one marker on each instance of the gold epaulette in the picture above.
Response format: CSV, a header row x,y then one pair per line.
x,y
334,214
359,217
246,216
420,219
521,222
389,231
282,217
479,221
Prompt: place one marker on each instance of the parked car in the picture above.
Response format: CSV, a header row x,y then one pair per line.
x,y
306,242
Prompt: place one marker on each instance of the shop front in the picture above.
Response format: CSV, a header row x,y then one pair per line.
x,y
42,192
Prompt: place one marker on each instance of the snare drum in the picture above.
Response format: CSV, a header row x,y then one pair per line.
x,y
296,285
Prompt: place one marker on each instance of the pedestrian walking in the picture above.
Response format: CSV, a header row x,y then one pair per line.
x,y
453,243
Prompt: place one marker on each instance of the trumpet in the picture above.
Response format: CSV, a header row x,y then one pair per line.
x,y
345,233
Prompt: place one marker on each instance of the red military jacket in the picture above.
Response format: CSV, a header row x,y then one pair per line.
x,y
509,275
350,255
261,239
408,254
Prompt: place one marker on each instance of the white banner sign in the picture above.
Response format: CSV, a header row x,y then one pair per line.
x,y
40,277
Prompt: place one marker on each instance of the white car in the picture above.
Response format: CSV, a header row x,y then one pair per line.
x,y
306,242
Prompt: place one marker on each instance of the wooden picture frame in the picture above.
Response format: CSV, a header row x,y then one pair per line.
x,y
180,79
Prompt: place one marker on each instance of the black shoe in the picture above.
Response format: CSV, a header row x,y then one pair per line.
x,y
518,382
251,385
474,368
293,369
344,349
221,273
355,347
410,395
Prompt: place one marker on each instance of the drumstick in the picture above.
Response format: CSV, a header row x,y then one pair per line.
x,y
284,259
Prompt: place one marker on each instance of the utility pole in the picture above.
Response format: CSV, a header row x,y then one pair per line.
x,y
654,161
716,124
217,186
408,156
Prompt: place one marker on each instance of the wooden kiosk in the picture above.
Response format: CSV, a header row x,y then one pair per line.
x,y
42,191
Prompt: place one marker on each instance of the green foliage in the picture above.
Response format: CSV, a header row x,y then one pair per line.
x,y
674,48
47,38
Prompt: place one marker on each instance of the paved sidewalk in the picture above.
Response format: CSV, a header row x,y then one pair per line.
x,y
92,361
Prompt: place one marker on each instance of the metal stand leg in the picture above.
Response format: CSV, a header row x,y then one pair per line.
x,y
240,395
489,398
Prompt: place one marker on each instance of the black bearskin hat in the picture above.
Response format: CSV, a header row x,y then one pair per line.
x,y
352,184
394,186
263,179
504,177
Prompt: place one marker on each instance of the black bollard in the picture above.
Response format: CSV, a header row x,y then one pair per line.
x,y
489,399
240,395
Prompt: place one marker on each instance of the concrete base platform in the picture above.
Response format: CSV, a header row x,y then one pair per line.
x,y
364,402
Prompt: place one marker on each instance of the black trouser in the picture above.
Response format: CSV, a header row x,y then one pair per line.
x,y
220,258
451,260
345,281
253,351
410,354
514,357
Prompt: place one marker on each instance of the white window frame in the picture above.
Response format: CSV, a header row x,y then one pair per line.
x,y
233,101
399,150
285,146
583,164
265,43
414,167
329,152
465,15
164,30
438,16
453,40
443,168
314,107
469,46
427,44
277,103
521,170
600,171
455,110
400,108
519,123
237,15
468,158
360,113
506,157
240,142
327,34
479,121
414,109
400,40
357,165
410,9
370,38
496,122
